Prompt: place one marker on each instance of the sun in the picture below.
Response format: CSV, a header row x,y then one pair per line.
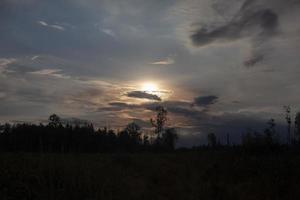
x,y
150,87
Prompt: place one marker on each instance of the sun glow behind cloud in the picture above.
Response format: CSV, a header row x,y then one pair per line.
x,y
156,88
150,87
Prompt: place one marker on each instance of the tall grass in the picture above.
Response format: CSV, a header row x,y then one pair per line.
x,y
188,175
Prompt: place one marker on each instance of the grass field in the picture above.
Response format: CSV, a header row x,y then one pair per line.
x,y
181,175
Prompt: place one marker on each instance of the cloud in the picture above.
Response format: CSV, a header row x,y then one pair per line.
x,y
254,20
172,106
253,60
167,61
46,71
54,26
57,27
205,100
195,123
142,123
265,21
49,72
42,23
120,104
35,57
74,121
37,64
143,95
234,125
5,62
200,122
88,97
182,108
109,32
2,95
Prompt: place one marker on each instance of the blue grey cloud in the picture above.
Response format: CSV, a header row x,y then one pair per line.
x,y
143,95
205,100
264,19
258,20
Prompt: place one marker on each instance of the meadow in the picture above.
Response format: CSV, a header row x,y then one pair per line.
x,y
197,174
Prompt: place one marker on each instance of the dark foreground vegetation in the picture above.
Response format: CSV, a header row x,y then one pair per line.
x,y
205,174
59,160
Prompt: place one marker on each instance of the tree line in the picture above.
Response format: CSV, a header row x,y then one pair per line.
x,y
268,138
58,137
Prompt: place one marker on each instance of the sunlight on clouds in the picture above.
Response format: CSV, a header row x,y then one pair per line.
x,y
55,26
50,72
150,87
167,61
156,88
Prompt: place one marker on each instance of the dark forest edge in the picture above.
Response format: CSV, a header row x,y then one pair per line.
x,y
59,137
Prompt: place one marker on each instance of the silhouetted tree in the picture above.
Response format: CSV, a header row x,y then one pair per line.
x,y
1,128
272,125
297,126
212,139
169,138
289,121
55,137
159,122
134,132
54,121
252,139
228,139
270,132
146,141
247,139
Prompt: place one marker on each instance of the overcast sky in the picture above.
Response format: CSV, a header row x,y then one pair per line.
x,y
220,66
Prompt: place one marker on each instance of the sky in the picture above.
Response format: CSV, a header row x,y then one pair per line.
x,y
217,66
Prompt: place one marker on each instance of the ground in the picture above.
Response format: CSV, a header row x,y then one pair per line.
x,y
158,176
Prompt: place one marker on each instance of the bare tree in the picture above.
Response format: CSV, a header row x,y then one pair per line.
x,y
272,125
228,139
212,139
159,121
289,121
169,138
297,126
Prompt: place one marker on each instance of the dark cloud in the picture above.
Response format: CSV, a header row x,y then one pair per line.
x,y
170,105
119,104
122,106
143,95
180,108
235,125
199,123
258,20
36,95
205,100
87,97
255,59
142,123
75,121
265,19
